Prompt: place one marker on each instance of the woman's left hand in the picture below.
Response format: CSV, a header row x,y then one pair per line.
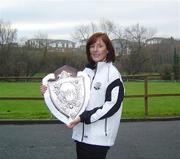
x,y
74,122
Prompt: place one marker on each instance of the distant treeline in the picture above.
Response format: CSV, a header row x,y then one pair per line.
x,y
22,62
162,58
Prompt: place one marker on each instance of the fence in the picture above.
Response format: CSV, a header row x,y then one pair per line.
x,y
145,78
146,95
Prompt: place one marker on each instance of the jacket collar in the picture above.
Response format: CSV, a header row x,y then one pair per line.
x,y
98,65
90,66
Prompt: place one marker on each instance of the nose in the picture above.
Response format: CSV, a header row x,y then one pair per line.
x,y
95,48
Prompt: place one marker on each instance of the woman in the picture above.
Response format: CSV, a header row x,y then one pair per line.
x,y
95,130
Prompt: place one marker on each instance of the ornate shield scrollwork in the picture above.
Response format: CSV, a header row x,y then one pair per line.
x,y
67,94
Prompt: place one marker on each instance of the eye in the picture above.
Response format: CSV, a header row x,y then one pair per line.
x,y
100,46
92,46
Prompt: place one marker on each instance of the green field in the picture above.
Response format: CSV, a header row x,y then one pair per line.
x,y
132,107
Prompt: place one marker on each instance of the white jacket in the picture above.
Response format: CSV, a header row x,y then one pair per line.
x,y
100,122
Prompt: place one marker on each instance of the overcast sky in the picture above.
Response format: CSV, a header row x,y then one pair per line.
x,y
58,18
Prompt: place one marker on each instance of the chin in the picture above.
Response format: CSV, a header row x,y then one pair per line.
x,y
95,59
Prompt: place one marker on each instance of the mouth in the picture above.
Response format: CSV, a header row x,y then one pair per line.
x,y
96,55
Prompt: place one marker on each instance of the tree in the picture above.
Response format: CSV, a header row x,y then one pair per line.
x,y
43,42
176,65
131,40
8,37
83,32
107,27
136,37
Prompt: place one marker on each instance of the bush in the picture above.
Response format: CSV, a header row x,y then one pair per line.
x,y
57,60
166,71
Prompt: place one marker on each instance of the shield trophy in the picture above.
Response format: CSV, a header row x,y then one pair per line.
x,y
67,94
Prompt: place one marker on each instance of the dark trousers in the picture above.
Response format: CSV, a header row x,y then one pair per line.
x,y
86,151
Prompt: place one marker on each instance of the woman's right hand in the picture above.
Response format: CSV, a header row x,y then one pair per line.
x,y
43,89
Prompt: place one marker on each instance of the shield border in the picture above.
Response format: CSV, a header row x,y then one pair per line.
x,y
59,115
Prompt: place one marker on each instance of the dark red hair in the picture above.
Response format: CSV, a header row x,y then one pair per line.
x,y
106,40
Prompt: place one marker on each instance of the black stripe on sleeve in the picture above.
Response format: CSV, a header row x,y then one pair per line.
x,y
86,115
120,97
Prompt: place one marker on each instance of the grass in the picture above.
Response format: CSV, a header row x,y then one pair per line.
x,y
22,109
158,106
132,107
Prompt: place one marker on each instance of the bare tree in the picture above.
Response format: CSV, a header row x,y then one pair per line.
x,y
82,32
8,37
162,53
107,26
93,27
136,36
8,34
129,40
43,43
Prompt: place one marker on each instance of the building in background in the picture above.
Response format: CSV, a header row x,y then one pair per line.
x,y
121,46
51,45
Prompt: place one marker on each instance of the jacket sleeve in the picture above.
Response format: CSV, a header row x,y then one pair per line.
x,y
114,97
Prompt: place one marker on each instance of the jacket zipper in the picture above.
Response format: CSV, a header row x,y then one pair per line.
x,y
93,77
105,127
83,123
106,118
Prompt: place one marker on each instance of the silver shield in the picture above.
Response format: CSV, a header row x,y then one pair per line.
x,y
67,96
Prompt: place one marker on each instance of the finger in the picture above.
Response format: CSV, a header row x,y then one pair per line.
x,y
70,125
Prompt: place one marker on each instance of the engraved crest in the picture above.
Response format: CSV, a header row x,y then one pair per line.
x,y
67,96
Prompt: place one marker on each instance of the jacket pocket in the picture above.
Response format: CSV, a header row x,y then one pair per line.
x,y
82,132
105,127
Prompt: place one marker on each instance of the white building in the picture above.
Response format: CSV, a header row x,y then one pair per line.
x,y
121,46
158,40
51,45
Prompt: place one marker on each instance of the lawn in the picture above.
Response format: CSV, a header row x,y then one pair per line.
x,y
132,107
158,106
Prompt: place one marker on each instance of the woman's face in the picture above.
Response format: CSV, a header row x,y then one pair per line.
x,y
98,51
